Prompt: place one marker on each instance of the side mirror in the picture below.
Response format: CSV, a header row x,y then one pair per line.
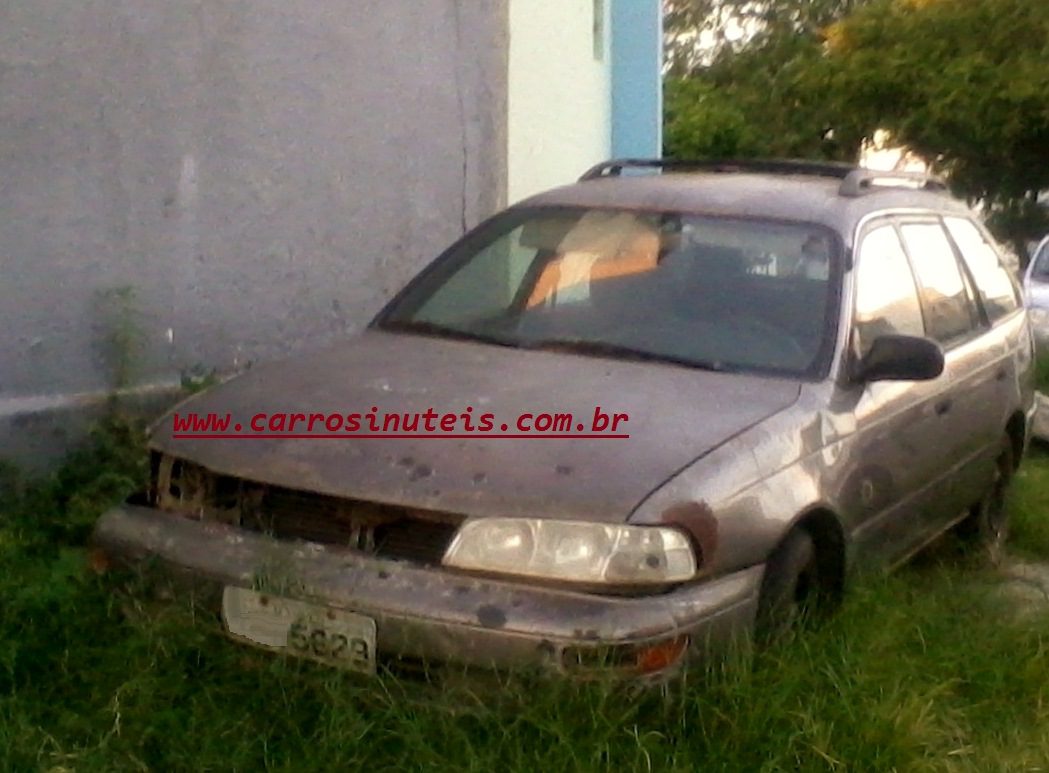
x,y
900,358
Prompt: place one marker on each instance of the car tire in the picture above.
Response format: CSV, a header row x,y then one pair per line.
x,y
791,588
986,528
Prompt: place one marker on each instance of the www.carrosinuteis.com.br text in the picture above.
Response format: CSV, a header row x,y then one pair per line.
x,y
376,423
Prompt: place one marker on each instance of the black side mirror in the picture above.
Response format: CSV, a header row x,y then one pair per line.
x,y
900,358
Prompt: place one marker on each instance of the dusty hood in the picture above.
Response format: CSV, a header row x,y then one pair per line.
x,y
676,414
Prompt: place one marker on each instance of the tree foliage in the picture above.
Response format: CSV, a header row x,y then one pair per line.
x,y
755,102
697,31
960,82
740,78
703,122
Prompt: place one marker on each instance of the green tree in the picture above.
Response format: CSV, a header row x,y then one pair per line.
x,y
960,82
697,31
703,122
740,80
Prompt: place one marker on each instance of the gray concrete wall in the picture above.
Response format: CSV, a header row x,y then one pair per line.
x,y
244,177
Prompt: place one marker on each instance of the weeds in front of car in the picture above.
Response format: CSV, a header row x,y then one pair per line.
x,y
120,335
198,378
929,669
60,509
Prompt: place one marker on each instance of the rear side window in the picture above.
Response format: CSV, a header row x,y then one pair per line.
x,y
996,289
886,296
949,312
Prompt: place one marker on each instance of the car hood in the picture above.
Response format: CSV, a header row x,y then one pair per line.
x,y
676,414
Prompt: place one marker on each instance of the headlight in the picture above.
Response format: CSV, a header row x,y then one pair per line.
x,y
573,550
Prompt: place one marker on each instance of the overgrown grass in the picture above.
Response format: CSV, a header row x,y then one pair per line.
x,y
1041,374
43,515
928,669
1029,505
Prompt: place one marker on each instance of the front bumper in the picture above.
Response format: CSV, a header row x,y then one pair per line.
x,y
434,615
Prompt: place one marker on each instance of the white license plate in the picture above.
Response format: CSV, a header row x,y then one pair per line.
x,y
331,636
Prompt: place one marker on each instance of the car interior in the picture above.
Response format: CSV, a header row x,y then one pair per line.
x,y
701,301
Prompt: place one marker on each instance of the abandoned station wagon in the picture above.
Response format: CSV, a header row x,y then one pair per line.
x,y
816,368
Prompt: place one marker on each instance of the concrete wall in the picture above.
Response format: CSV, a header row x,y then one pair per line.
x,y
560,92
244,176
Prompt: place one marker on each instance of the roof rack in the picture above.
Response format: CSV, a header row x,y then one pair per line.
x,y
615,167
861,181
855,181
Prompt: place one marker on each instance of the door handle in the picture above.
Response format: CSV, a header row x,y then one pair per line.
x,y
944,406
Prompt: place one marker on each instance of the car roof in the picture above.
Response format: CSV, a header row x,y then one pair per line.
x,y
796,197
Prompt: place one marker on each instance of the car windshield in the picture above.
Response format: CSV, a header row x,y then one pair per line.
x,y
709,292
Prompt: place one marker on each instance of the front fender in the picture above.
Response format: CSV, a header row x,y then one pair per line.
x,y
741,499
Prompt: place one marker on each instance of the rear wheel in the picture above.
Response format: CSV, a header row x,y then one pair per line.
x,y
986,528
792,588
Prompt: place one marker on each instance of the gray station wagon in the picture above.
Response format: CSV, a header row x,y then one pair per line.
x,y
813,369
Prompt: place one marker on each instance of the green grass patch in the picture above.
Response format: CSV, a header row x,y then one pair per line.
x,y
1041,374
1029,504
926,670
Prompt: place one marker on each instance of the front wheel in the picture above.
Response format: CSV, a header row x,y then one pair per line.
x,y
791,589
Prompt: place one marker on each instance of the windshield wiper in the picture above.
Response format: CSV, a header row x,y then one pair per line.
x,y
619,351
443,331
574,345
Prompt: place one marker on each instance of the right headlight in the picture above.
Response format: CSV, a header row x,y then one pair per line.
x,y
576,551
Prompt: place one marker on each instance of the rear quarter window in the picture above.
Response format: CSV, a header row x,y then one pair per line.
x,y
995,286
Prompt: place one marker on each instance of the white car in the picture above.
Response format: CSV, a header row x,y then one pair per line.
x,y
1036,291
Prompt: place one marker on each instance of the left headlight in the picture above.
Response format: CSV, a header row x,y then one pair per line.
x,y
576,551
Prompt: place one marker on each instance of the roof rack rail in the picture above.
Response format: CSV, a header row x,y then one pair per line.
x,y
861,181
615,167
855,181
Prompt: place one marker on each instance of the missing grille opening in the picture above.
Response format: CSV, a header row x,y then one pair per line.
x,y
383,530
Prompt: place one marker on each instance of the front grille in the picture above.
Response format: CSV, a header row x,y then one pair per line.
x,y
388,531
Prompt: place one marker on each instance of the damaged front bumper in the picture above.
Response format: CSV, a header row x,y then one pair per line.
x,y
435,616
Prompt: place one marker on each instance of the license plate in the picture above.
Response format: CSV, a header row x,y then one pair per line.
x,y
331,636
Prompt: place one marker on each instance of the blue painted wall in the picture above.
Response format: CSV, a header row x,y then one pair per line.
x,y
637,65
